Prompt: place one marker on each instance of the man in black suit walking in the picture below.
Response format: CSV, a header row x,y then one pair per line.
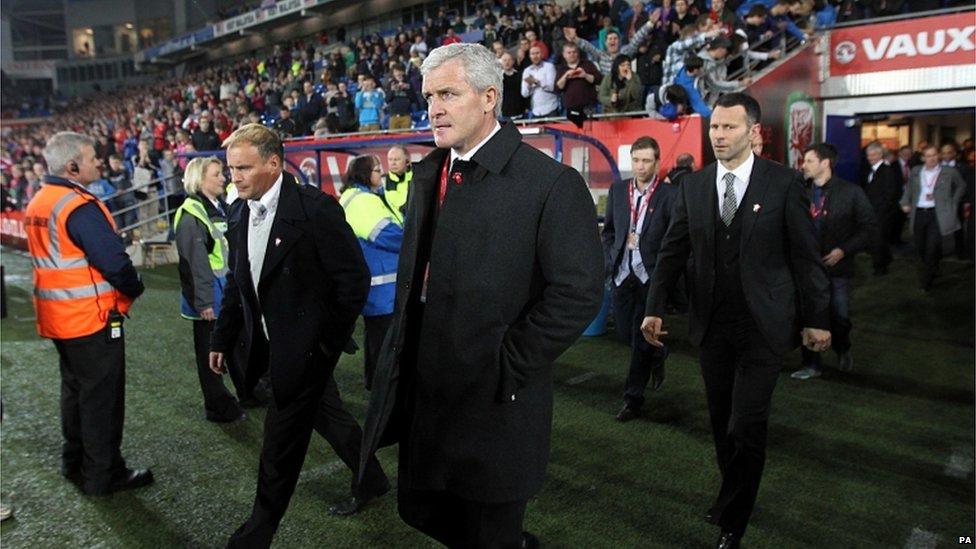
x,y
744,223
500,271
297,283
883,185
845,226
638,213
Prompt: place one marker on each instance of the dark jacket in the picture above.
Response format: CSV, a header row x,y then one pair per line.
x,y
779,255
618,219
313,285
846,222
884,190
515,275
205,140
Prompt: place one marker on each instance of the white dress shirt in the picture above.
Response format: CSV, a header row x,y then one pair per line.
x,y
741,183
926,187
258,233
874,169
544,100
636,263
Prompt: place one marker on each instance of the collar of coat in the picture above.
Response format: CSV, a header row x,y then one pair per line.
x,y
492,157
289,204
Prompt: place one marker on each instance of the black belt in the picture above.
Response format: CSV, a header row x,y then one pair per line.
x,y
924,209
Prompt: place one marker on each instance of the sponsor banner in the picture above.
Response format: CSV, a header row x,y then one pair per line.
x,y
260,15
12,230
801,126
913,43
30,69
176,44
325,169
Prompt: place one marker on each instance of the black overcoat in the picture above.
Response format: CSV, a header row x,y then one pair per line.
x,y
464,381
314,282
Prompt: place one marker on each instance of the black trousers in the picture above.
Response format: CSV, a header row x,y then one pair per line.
x,y
92,408
928,244
840,321
287,432
881,252
460,523
740,372
628,309
375,330
218,403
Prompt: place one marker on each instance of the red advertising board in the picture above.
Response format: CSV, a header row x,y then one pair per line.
x,y
326,168
12,230
910,44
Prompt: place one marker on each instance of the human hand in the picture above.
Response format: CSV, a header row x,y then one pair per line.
x,y
569,33
207,314
833,257
747,81
906,209
217,364
816,340
652,330
776,54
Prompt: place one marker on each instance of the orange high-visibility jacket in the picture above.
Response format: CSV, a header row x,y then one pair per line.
x,y
71,298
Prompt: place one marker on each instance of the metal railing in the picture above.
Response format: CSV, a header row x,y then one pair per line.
x,y
157,207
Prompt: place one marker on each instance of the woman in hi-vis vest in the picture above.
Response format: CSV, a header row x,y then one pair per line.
x,y
379,227
200,225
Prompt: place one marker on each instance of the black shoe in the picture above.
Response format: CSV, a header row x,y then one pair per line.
x,y
529,541
240,416
72,473
130,480
627,413
353,504
727,540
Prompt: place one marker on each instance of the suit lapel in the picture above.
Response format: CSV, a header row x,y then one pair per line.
x,y
755,193
237,238
284,234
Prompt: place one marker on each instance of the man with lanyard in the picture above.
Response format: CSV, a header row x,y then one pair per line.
x,y
399,177
845,225
638,213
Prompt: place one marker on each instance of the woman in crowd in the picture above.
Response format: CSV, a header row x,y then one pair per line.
x,y
623,91
379,228
200,225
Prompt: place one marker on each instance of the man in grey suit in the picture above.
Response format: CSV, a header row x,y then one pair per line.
x,y
934,194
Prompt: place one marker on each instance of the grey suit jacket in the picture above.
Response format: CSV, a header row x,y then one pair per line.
x,y
949,190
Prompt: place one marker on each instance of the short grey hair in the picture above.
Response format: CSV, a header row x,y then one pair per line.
x,y
196,170
64,147
481,68
874,146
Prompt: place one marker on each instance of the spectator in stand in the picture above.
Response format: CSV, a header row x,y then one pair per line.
x,y
18,186
606,29
934,193
119,179
343,120
451,37
522,59
845,226
285,126
583,18
204,137
369,105
499,49
418,46
539,84
687,78
681,16
759,31
723,17
715,80
622,91
780,17
513,104
577,80
401,99
489,35
507,33
309,109
604,58
634,21
667,103
690,40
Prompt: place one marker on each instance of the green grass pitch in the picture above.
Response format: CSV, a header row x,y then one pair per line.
x,y
878,457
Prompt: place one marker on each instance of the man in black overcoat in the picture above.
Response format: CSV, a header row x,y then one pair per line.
x,y
500,271
298,281
883,185
754,278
